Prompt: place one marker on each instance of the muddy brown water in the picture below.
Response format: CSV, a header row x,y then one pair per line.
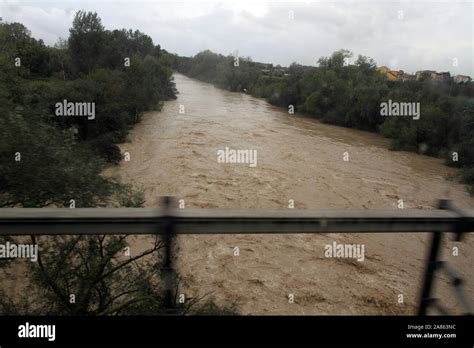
x,y
300,159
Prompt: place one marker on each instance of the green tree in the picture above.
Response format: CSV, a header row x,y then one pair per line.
x,y
86,41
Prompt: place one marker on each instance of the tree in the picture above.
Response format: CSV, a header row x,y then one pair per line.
x,y
86,41
337,61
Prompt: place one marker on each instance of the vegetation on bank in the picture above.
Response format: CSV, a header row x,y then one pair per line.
x,y
350,95
47,159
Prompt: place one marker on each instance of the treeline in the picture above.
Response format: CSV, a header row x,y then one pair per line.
x,y
51,160
350,95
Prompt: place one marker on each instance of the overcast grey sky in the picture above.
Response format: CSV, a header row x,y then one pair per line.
x,y
407,35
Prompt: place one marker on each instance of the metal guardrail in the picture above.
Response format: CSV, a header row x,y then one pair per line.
x,y
49,221
170,221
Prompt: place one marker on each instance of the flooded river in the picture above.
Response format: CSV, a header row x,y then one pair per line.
x,y
174,152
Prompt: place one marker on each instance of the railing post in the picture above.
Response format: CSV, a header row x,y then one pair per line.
x,y
425,299
431,265
168,271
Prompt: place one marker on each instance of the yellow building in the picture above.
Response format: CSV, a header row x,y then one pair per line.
x,y
392,75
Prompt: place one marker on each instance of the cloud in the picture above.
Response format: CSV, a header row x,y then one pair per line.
x,y
406,35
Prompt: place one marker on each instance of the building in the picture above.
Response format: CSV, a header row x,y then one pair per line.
x,y
461,79
441,76
424,75
395,75
402,76
392,75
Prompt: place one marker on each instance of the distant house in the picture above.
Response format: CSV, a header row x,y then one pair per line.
x,y
402,76
441,76
424,75
461,79
392,75
431,75
395,75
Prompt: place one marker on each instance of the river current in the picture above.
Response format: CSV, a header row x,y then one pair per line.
x,y
175,152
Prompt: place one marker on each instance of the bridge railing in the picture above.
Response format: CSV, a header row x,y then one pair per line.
x,y
170,221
